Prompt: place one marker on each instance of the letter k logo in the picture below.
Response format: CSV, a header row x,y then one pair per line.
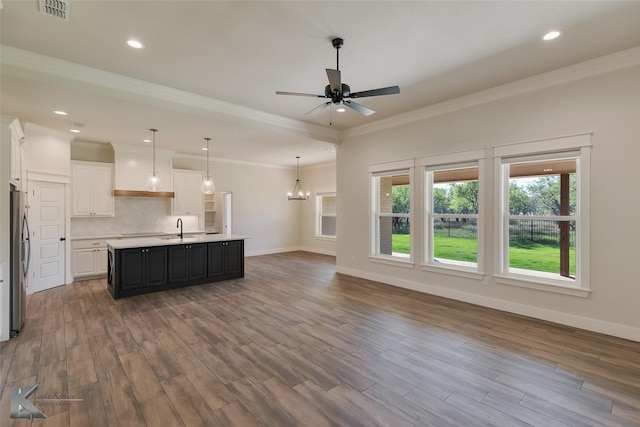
x,y
21,407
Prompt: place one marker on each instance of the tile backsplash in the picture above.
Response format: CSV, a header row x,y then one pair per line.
x,y
134,215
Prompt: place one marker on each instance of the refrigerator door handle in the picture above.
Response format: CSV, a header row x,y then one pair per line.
x,y
27,243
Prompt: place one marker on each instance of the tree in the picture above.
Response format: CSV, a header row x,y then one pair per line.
x,y
464,197
441,201
545,195
519,200
401,198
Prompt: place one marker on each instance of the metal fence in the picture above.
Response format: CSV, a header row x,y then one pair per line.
x,y
546,232
523,231
456,227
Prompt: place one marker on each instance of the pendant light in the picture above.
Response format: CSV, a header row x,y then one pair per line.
x,y
298,193
207,186
153,182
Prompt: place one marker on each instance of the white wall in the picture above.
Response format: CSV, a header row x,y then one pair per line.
x,y
315,179
260,208
133,164
607,105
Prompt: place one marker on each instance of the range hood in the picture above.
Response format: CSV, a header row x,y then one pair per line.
x,y
132,167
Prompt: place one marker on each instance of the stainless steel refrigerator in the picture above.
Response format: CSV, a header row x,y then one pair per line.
x,y
20,254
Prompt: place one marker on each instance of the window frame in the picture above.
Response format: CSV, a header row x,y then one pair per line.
x,y
319,215
380,170
577,147
451,161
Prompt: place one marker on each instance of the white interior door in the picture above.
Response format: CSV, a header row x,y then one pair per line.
x,y
226,213
47,219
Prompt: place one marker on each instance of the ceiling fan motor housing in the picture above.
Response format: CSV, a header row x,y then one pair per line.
x,y
336,97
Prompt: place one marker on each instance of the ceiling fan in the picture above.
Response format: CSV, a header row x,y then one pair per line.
x,y
338,92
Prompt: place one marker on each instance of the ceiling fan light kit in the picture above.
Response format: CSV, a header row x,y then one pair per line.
x,y
338,92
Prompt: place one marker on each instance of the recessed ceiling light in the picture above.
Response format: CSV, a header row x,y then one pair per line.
x,y
551,35
60,112
74,130
136,44
204,149
147,141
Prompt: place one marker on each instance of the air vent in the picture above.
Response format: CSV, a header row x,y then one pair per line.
x,y
76,124
56,8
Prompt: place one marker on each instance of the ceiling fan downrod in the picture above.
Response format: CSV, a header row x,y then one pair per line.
x,y
337,44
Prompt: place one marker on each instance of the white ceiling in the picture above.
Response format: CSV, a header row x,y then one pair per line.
x,y
211,68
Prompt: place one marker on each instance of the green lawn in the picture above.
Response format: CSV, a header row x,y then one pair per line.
x,y
535,257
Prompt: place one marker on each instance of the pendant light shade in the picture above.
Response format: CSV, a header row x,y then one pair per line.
x,y
153,181
298,193
207,186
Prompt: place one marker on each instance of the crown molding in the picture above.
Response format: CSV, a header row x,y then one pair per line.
x,y
230,161
167,96
591,68
32,127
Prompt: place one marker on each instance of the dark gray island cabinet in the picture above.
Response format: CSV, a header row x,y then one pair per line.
x,y
140,266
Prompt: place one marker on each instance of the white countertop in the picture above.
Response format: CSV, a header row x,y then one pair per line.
x,y
134,235
141,242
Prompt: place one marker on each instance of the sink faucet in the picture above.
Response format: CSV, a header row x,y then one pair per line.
x,y
179,224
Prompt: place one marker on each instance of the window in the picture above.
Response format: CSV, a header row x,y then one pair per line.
x,y
326,215
543,225
391,197
453,229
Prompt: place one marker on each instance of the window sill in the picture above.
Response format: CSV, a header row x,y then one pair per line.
x,y
389,260
542,284
320,237
454,270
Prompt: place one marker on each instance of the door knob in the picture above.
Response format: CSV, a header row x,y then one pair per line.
x,y
62,239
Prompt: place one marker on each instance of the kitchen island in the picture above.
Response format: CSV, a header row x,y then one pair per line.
x,y
150,264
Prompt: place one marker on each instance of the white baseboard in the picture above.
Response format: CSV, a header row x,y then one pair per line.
x,y
289,249
271,251
318,251
594,325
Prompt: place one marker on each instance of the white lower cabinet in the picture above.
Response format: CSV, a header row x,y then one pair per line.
x,y
88,258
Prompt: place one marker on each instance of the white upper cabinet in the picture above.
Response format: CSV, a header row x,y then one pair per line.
x,y
92,189
188,199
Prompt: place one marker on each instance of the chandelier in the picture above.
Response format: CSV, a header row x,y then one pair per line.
x,y
298,193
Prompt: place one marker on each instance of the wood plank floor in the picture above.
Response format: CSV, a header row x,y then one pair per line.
x,y
295,344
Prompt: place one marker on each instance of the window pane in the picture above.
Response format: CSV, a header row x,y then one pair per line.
x,y
327,215
543,246
547,188
395,236
455,239
394,207
328,226
395,194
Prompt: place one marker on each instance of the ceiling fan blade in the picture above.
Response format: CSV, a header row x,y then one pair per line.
x,y
319,107
299,94
334,80
391,90
359,108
